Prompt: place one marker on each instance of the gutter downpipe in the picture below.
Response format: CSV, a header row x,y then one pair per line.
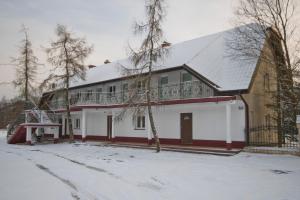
x,y
246,119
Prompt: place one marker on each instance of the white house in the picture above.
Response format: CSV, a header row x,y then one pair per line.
x,y
198,92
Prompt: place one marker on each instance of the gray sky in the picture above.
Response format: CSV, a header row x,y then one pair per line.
x,y
105,24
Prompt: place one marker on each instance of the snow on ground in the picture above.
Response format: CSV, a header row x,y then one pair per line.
x,y
86,171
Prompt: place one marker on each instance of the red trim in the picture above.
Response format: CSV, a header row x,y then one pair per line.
x,y
91,137
229,146
131,139
39,125
170,141
48,135
169,102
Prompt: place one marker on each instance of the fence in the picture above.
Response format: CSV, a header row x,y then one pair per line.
x,y
272,136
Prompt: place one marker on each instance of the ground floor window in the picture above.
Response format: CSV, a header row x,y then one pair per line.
x,y
140,122
77,123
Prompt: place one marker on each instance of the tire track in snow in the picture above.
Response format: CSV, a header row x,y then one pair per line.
x,y
97,169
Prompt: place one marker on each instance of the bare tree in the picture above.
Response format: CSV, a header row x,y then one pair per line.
x,y
26,66
271,23
144,59
67,55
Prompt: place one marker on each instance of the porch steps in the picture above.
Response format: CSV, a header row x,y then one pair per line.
x,y
181,149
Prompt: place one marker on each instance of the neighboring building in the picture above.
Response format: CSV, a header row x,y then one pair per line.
x,y
202,97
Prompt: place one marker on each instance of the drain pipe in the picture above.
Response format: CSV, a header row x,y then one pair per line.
x,y
246,118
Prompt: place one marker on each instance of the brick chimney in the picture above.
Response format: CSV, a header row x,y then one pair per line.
x,y
165,44
91,66
106,61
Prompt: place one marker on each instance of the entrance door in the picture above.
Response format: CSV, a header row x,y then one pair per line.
x,y
109,127
186,121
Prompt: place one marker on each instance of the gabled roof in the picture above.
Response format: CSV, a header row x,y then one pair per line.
x,y
206,55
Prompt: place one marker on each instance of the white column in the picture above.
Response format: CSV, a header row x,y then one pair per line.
x,y
228,125
149,132
56,129
83,127
113,126
63,125
28,134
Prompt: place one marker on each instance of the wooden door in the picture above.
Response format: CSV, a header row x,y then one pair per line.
x,y
109,127
186,121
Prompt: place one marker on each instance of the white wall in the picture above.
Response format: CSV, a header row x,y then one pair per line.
x,y
209,122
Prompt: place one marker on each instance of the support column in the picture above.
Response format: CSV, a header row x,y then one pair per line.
x,y
228,126
83,127
56,135
149,132
113,126
28,135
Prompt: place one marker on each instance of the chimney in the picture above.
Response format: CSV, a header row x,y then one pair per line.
x,y
106,61
91,66
165,44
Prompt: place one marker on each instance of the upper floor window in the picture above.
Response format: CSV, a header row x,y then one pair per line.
x,y
186,77
267,82
112,90
89,94
141,85
98,94
163,80
125,87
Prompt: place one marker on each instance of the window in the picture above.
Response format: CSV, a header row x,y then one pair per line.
x,y
267,82
98,96
163,91
140,122
141,86
77,123
186,85
186,77
89,94
112,91
125,91
78,96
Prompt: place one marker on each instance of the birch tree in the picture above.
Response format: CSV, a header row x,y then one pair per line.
x,y
144,59
26,66
272,21
67,55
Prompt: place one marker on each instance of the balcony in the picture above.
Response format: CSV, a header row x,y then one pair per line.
x,y
186,90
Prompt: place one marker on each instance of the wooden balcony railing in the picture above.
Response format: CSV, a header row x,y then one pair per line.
x,y
186,90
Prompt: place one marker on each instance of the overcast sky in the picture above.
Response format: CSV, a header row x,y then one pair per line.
x,y
107,24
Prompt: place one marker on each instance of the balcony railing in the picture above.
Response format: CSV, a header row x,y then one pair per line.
x,y
186,90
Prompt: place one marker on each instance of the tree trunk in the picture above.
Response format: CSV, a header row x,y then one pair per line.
x,y
150,114
69,119
26,70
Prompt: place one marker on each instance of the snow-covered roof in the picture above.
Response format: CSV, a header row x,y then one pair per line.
x,y
206,55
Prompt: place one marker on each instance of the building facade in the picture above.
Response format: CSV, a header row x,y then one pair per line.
x,y
200,97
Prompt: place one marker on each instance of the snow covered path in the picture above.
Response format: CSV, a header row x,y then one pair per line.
x,y
86,171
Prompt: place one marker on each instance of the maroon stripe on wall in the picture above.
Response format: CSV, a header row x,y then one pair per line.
x,y
170,141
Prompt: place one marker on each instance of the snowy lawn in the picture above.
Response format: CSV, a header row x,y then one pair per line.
x,y
86,171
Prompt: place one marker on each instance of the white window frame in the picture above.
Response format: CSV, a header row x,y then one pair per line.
x,y
140,122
